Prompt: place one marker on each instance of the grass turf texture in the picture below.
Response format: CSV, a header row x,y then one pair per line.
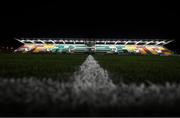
x,y
53,66
32,97
128,69
139,69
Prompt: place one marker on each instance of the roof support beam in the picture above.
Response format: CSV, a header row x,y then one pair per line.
x,y
105,41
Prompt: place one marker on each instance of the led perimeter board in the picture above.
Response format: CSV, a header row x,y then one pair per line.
x,y
83,45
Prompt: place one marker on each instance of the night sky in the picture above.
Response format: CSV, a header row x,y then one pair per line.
x,y
143,20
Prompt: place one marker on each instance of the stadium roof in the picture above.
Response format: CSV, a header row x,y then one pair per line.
x,y
122,39
102,41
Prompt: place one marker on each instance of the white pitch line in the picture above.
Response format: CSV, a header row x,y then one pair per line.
x,y
92,76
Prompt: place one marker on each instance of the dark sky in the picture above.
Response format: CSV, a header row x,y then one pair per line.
x,y
89,19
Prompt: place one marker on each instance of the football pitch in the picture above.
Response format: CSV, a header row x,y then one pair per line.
x,y
155,69
39,65
89,85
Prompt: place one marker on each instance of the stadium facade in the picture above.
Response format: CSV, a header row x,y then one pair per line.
x,y
85,45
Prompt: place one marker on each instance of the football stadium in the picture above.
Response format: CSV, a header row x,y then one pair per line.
x,y
89,77
89,59
83,45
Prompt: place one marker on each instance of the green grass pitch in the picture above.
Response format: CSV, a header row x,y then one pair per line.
x,y
154,69
53,66
40,84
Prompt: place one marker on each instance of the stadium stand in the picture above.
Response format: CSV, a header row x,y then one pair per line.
x,y
75,45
